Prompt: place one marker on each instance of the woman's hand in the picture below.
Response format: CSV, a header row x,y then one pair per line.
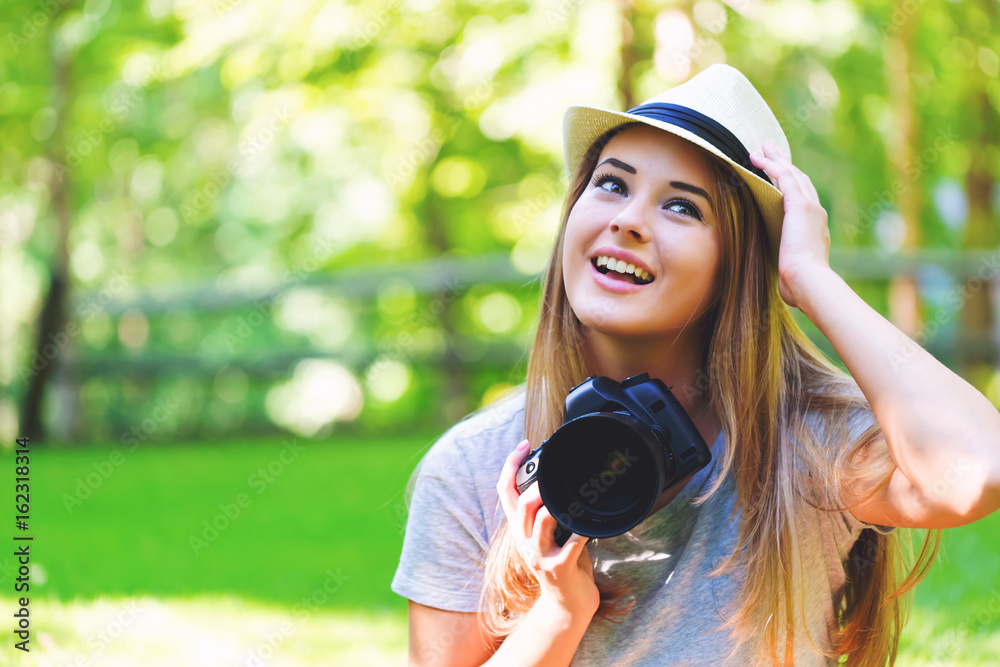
x,y
565,574
805,234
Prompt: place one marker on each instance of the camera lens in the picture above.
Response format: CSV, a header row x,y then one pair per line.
x,y
602,473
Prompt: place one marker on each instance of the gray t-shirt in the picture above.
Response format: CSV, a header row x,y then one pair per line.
x,y
665,560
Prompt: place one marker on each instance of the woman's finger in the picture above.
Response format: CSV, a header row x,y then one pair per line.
x,y
812,186
805,183
528,505
506,488
785,180
543,534
574,548
774,170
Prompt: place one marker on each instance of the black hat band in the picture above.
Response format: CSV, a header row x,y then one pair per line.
x,y
708,129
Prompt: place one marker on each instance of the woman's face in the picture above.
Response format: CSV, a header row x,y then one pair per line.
x,y
647,204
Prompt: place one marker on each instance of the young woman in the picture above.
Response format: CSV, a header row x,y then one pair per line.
x,y
679,255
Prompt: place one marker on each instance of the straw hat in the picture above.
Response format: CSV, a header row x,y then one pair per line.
x,y
717,109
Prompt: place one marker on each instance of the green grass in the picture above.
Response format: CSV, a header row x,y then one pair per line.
x,y
317,545
333,512
956,608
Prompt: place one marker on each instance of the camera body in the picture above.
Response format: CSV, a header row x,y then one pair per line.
x,y
621,445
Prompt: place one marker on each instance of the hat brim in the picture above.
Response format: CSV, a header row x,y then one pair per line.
x,y
582,125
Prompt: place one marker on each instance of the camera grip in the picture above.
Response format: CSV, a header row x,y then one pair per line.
x,y
527,472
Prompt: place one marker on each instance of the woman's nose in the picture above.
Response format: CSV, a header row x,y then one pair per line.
x,y
631,221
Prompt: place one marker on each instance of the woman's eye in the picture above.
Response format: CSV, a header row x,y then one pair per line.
x,y
686,208
610,184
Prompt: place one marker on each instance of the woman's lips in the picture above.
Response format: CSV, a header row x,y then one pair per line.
x,y
613,284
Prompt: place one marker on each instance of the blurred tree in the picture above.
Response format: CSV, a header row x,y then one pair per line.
x,y
54,318
629,55
979,323
904,296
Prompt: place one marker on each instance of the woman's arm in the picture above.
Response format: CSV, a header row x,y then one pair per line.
x,y
439,638
943,434
551,630
442,638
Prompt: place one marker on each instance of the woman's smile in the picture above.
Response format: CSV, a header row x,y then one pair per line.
x,y
613,281
619,269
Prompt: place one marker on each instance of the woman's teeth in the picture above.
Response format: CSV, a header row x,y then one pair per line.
x,y
620,266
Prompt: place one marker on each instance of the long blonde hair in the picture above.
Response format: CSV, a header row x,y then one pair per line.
x,y
755,349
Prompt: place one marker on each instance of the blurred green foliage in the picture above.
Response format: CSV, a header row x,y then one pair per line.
x,y
312,216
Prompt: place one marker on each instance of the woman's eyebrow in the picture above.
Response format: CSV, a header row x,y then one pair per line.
x,y
693,189
680,185
621,165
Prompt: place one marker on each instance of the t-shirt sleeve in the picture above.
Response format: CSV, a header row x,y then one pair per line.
x,y
859,423
445,543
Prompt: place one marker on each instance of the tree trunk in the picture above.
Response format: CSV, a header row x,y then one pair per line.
x,y
978,355
904,295
978,351
53,341
627,56
456,402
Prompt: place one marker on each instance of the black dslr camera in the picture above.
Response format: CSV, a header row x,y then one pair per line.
x,y
619,448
